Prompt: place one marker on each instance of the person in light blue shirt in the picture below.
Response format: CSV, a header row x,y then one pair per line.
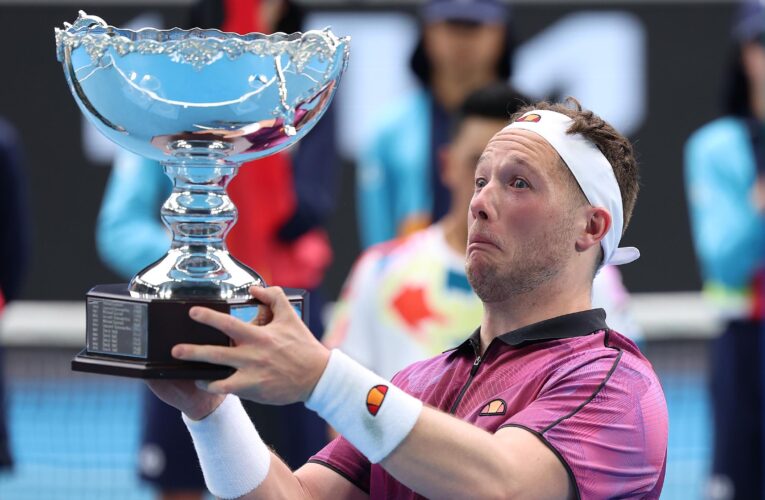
x,y
129,233
464,46
720,176
724,169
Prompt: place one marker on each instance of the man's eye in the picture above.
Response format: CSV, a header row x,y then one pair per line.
x,y
480,182
520,184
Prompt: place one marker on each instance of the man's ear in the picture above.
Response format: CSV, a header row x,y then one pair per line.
x,y
598,222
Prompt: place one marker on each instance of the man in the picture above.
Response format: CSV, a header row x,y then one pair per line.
x,y
464,46
542,401
409,298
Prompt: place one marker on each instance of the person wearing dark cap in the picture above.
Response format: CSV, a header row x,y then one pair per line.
x,y
724,172
465,45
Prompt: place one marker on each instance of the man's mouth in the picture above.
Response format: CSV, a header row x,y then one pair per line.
x,y
478,241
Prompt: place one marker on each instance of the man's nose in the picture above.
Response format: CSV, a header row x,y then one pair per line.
x,y
480,204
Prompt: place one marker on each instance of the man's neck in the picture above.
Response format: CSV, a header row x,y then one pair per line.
x,y
529,308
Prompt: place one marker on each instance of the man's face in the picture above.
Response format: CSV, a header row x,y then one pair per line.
x,y
522,218
462,155
459,48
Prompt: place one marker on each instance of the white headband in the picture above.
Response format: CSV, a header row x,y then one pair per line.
x,y
591,170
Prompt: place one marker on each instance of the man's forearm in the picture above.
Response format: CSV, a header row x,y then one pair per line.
x,y
280,483
429,451
423,448
444,457
236,463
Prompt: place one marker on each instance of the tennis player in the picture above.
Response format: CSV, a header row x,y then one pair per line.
x,y
543,400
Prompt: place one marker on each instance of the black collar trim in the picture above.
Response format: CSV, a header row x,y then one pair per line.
x,y
576,324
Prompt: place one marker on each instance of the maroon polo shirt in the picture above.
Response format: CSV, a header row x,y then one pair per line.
x,y
584,390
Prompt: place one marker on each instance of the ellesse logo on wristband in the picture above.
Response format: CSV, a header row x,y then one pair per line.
x,y
375,398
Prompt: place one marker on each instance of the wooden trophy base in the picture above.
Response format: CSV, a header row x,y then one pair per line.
x,y
132,337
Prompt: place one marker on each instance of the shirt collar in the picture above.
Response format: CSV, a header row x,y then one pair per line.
x,y
576,324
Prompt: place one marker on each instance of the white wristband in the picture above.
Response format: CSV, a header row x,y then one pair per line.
x,y
369,411
233,458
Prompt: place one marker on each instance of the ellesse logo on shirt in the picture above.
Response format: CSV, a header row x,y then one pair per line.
x,y
493,407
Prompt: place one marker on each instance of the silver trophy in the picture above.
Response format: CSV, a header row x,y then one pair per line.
x,y
201,102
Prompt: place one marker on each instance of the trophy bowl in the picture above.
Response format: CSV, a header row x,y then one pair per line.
x,y
201,102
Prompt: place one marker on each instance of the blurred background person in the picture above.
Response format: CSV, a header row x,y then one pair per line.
x,y
282,202
465,45
14,251
723,160
409,298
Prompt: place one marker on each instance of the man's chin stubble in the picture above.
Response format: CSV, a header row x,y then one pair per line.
x,y
492,285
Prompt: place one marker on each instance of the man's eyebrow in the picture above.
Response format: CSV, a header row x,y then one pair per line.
x,y
519,160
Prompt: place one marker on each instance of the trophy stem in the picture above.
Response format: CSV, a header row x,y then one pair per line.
x,y
199,214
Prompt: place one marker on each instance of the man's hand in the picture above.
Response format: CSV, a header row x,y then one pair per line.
x,y
186,396
278,361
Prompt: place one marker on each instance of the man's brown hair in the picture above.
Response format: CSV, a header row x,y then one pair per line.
x,y
614,146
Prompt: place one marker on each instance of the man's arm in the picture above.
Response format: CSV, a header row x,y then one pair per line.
x,y
281,363
311,481
444,457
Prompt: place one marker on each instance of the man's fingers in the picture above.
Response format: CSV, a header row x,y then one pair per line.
x,y
264,317
227,385
231,326
215,354
274,298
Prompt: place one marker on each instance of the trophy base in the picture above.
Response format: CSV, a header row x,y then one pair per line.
x,y
130,336
85,362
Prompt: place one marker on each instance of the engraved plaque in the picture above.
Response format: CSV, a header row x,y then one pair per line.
x,y
117,327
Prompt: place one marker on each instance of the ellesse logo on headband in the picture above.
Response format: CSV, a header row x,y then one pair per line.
x,y
531,117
